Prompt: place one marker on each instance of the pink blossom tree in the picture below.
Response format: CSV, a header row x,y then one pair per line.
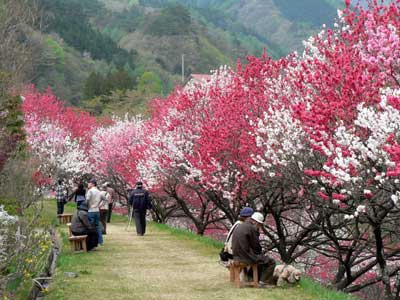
x,y
59,137
345,81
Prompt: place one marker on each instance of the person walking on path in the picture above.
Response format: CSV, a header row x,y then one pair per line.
x,y
247,248
111,192
80,225
104,208
61,197
79,195
94,200
140,202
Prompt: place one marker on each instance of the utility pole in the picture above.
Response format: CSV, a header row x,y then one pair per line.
x,y
183,68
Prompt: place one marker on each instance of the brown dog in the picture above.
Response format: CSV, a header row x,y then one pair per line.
x,y
286,273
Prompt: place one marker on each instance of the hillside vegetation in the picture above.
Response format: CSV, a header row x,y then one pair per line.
x,y
89,38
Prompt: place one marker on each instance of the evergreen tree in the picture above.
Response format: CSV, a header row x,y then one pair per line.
x,y
94,86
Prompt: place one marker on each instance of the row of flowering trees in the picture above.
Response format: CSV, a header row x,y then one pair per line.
x,y
310,140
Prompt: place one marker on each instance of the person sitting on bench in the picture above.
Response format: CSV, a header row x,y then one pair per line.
x,y
247,249
80,226
227,253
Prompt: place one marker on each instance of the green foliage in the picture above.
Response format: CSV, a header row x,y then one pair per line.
x,y
94,85
173,20
119,103
22,259
151,35
127,20
210,54
10,205
316,12
149,82
97,85
115,33
71,20
11,121
94,105
10,106
57,50
240,36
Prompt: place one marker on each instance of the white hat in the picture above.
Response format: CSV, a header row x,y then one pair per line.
x,y
258,217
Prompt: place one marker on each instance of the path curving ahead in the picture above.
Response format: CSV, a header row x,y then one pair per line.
x,y
156,266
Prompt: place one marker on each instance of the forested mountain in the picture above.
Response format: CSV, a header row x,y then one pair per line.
x,y
277,22
94,50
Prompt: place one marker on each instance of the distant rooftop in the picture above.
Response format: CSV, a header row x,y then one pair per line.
x,y
197,79
200,77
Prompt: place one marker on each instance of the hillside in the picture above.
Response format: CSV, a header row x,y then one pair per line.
x,y
279,22
90,39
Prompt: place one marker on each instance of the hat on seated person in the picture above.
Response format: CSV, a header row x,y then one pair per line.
x,y
258,217
246,212
83,206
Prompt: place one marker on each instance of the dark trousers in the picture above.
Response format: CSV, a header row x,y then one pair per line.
x,y
110,207
140,221
265,271
60,208
92,240
103,220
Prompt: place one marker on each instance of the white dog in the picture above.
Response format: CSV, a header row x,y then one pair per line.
x,y
286,273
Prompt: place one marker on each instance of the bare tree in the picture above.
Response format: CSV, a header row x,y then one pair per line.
x,y
17,48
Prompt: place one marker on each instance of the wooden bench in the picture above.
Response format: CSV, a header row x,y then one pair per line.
x,y
64,218
236,267
77,242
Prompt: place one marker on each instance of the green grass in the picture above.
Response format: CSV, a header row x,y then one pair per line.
x,y
188,235
316,289
167,263
310,286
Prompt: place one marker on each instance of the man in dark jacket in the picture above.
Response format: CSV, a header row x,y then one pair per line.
x,y
246,248
80,225
140,202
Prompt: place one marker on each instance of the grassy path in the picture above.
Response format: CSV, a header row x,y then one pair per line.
x,y
160,265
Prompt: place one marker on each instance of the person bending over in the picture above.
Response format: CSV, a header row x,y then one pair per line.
x,y
80,225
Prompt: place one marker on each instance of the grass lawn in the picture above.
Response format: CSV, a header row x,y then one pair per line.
x,y
164,264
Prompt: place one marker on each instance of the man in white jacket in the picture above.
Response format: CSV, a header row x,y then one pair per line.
x,y
95,200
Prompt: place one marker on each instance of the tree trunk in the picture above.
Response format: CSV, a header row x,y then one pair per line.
x,y
380,257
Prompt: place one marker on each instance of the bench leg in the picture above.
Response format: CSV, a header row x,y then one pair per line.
x,y
84,247
237,276
232,273
255,276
